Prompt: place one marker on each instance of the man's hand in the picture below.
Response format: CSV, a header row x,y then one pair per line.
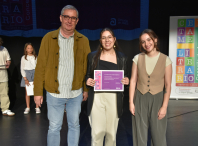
x,y
8,63
38,100
85,96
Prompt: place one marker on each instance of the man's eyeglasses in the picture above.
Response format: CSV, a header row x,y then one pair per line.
x,y
66,17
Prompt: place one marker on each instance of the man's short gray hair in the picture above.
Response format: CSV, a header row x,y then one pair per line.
x,y
69,7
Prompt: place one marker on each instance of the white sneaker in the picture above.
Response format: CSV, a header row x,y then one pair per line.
x,y
8,113
27,110
38,111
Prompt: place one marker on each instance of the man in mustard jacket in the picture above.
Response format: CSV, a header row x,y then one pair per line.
x,y
61,68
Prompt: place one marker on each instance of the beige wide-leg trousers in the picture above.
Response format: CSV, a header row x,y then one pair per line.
x,y
4,99
104,119
146,116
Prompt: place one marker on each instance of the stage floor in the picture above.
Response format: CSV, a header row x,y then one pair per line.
x,y
31,129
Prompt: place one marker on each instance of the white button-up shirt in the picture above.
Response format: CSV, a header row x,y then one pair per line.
x,y
28,64
66,68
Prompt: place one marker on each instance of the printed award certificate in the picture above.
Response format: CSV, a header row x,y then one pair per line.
x,y
108,80
30,91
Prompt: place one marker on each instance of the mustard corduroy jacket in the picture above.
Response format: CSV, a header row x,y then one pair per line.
x,y
46,71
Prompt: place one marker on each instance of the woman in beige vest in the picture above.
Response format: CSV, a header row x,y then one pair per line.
x,y
148,102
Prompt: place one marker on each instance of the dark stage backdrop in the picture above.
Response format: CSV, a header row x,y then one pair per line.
x,y
159,13
34,18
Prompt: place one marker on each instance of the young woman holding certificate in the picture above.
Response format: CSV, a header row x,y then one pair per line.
x,y
152,72
105,108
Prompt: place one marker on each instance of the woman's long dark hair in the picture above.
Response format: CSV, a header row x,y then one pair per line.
x,y
25,52
153,36
100,47
1,41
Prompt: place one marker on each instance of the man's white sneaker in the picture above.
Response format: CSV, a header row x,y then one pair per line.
x,y
38,111
27,110
8,113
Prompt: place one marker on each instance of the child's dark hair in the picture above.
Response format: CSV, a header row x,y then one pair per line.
x,y
25,52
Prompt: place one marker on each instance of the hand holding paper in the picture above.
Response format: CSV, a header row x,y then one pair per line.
x,y
29,89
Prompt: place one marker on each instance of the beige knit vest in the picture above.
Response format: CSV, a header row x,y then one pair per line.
x,y
153,83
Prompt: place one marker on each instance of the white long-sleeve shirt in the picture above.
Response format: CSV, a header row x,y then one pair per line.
x,y
4,56
28,64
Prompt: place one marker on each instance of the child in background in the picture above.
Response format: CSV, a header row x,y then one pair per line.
x,y
28,64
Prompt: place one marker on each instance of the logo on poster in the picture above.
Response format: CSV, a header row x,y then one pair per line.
x,y
113,22
184,91
119,21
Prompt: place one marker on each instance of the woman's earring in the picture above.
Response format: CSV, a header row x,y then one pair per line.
x,y
101,48
114,46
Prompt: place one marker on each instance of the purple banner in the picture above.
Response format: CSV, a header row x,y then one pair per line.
x,y
16,15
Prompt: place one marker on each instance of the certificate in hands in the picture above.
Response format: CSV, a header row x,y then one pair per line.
x,y
108,80
30,91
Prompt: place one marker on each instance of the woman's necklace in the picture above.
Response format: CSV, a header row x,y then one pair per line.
x,y
113,53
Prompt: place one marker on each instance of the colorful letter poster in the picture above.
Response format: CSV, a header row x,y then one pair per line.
x,y
187,53
183,52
